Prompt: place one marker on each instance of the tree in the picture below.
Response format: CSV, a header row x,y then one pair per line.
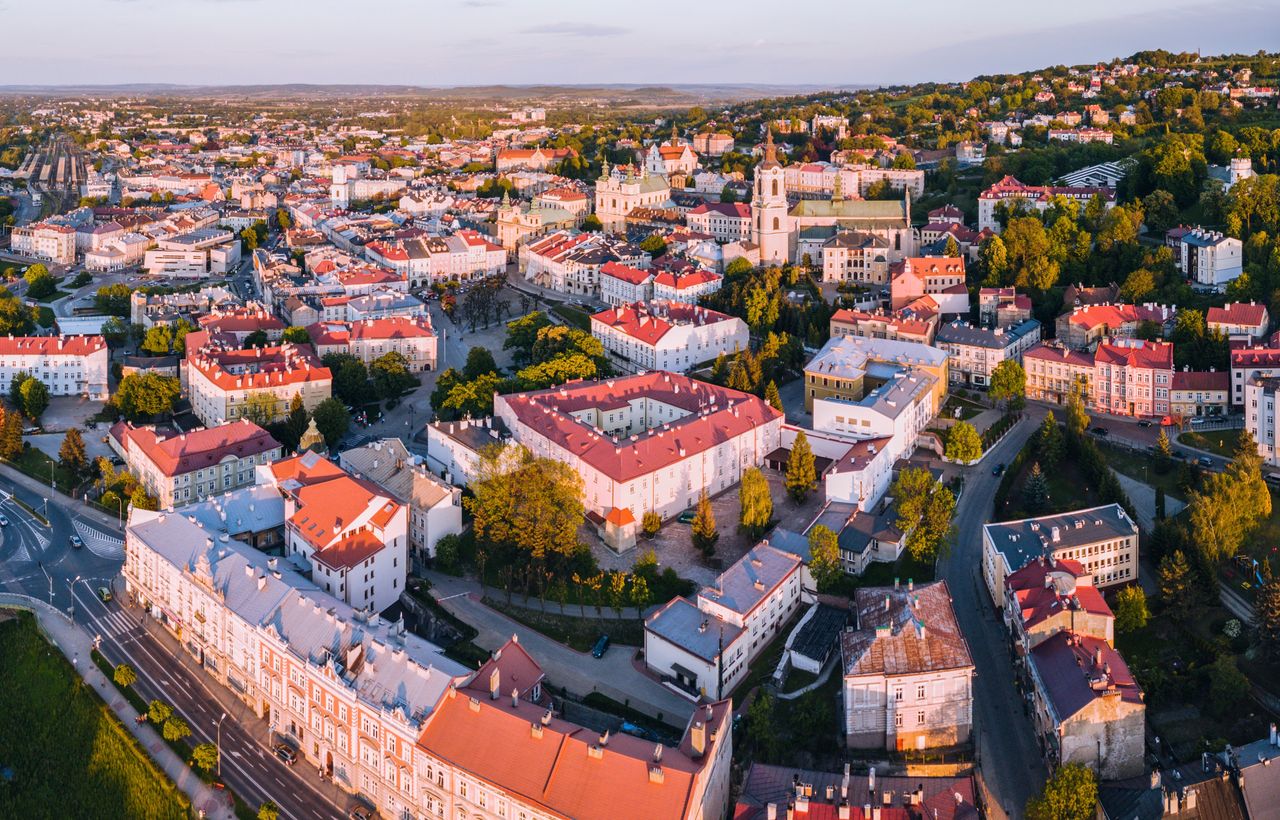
x,y
143,395
175,729
350,377
1160,503
391,375
1164,448
1228,687
205,757
1071,794
113,300
260,407
521,501
295,423
963,443
15,388
140,499
995,260
35,398
11,436
1131,609
158,341
650,524
1009,384
705,534
1035,493
40,284
269,811
1266,616
124,675
72,455
756,502
772,396
1030,256
1048,442
824,558
653,245
592,224
158,711
479,362
1176,584
332,420
924,508
257,338
801,473
296,335
1077,416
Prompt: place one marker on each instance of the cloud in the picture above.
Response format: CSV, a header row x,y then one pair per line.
x,y
576,29
482,4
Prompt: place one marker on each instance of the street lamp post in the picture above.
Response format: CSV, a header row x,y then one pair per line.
x,y
219,744
71,587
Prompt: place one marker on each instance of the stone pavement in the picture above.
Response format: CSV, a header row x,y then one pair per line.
x,y
76,645
613,675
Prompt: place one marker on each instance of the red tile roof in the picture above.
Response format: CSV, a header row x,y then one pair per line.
x,y
685,281
648,323
1136,353
394,327
1201,380
198,449
1058,353
1092,316
1069,585
715,415
1238,313
51,345
625,273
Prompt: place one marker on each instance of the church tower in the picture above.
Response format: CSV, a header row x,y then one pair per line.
x,y
770,226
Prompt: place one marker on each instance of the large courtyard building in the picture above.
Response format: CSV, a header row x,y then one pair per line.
x,y
225,383
667,335
649,442
68,365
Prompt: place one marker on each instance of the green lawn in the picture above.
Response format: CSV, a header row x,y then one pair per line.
x,y
1220,442
571,630
1068,490
69,755
35,463
53,297
1145,467
968,409
575,316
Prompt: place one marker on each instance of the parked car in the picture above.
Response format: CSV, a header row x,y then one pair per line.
x,y
687,516
286,753
104,594
76,543
1101,431
1198,421
998,469
601,647
1206,462
1144,423
361,813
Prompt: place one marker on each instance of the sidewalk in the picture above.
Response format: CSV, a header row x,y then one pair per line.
x,y
76,645
69,505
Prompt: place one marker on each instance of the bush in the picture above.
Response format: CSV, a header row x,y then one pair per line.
x,y
651,524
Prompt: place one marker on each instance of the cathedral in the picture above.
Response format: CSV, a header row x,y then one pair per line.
x,y
786,233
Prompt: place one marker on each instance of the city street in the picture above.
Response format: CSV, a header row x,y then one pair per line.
x,y
1010,761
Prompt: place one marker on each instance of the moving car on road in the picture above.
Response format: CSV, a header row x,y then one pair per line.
x,y
998,469
104,594
4,522
76,543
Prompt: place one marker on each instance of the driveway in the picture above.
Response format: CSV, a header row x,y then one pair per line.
x,y
65,412
613,675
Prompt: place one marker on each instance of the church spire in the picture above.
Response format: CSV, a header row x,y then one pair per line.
x,y
675,138
604,168
770,152
837,191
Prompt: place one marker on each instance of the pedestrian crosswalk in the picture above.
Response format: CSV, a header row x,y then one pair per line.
x,y
99,543
115,624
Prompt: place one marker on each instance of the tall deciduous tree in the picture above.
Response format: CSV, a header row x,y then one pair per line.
x,y
924,511
35,398
1071,794
1131,609
801,472
1266,617
824,557
756,502
1077,415
332,420
142,395
963,442
1009,384
531,504
1048,444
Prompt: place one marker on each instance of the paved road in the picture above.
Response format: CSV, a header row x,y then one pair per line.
x,y
613,675
1011,763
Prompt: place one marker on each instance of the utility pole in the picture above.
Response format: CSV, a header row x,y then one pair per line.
x,y
219,744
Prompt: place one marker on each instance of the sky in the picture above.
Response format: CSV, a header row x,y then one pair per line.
x,y
832,43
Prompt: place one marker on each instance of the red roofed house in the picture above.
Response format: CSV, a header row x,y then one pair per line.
x,y
667,335
1084,327
907,325
412,338
726,221
1132,377
492,749
940,277
651,442
187,467
1003,307
686,287
1033,197
1248,363
225,383
1051,595
1240,321
1200,393
352,535
1086,706
536,159
68,365
774,792
622,284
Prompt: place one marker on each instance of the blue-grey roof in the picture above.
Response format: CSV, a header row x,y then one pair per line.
x,y
1022,540
791,541
250,509
691,629
847,356
817,636
388,668
744,584
961,333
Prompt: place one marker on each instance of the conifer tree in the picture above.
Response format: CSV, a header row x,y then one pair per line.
x,y
801,473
